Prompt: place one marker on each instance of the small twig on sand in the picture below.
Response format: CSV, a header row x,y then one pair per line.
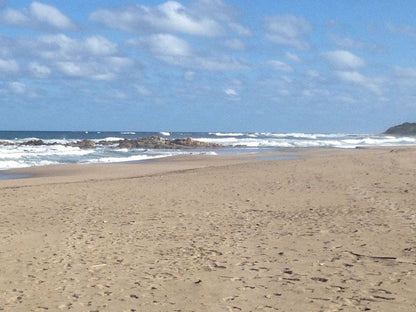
x,y
380,257
372,257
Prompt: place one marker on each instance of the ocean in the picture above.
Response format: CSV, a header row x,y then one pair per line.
x,y
14,155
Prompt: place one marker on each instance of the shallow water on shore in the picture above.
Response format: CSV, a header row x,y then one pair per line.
x,y
12,176
22,149
278,157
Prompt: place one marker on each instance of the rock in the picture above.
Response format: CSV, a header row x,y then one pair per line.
x,y
155,142
33,143
82,144
6,143
406,128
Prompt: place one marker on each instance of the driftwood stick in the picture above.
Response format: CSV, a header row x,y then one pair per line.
x,y
372,257
380,257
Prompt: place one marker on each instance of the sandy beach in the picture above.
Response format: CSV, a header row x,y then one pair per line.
x,y
334,230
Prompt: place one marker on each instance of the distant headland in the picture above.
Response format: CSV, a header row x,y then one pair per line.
x,y
407,128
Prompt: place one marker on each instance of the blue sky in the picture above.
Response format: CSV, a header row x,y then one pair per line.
x,y
207,65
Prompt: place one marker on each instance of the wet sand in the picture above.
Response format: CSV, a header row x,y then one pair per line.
x,y
334,230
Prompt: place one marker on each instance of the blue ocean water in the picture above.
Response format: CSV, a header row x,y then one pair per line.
x,y
15,155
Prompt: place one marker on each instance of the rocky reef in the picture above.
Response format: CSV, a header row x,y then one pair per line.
x,y
162,143
153,142
406,128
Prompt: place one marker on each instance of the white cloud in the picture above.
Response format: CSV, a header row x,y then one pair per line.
x,y
347,43
13,17
177,17
99,45
212,63
18,87
287,30
39,70
61,46
142,90
344,59
91,70
118,61
72,68
214,8
230,92
405,77
6,47
308,93
8,66
223,13
281,66
189,75
50,15
240,29
37,15
293,57
21,89
168,45
55,46
235,44
119,94
92,58
351,76
403,29
346,99
176,51
233,89
372,84
313,73
95,69
168,17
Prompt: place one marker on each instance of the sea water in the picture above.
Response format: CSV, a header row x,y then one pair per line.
x,y
14,155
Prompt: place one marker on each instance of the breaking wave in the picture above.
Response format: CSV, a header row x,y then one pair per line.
x,y
13,154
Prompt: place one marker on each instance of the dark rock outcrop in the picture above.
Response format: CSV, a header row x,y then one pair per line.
x,y
82,144
153,142
4,143
406,128
33,143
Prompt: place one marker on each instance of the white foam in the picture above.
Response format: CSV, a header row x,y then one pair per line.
x,y
28,156
12,164
233,134
19,156
123,159
126,132
19,141
110,139
266,139
165,133
226,141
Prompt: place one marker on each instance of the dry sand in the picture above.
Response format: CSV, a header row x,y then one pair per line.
x,y
332,231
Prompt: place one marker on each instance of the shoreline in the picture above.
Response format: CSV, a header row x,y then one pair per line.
x,y
276,154
39,148
200,160
280,154
333,230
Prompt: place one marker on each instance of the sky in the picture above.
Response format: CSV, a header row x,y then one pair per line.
x,y
345,66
